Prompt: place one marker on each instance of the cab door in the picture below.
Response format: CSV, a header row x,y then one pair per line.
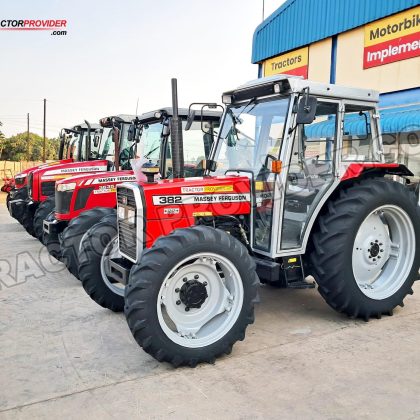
x,y
311,171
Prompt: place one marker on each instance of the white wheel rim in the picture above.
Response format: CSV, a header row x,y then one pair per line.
x,y
110,252
383,252
203,326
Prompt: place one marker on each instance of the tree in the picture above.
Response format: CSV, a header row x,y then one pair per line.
x,y
17,148
1,139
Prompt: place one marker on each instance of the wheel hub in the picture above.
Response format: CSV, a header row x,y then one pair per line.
x,y
193,294
374,249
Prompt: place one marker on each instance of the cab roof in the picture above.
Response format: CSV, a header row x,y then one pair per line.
x,y
294,84
182,112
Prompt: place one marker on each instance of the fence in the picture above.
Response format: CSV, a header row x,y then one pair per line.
x,y
8,168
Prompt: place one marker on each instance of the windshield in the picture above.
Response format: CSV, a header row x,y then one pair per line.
x,y
74,146
150,140
107,146
250,133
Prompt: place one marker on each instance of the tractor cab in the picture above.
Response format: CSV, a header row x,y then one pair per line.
x,y
284,201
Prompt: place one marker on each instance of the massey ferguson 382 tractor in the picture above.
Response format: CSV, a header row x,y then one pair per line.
x,y
68,152
41,181
281,201
99,243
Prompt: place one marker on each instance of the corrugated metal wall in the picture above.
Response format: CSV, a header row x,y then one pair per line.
x,y
301,22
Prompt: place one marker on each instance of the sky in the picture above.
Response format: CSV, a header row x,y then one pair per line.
x,y
116,53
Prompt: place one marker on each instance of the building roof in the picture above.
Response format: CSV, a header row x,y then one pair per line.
x,y
301,22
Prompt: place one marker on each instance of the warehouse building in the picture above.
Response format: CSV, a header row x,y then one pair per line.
x,y
362,43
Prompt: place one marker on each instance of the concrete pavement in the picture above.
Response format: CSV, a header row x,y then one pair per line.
x,y
64,356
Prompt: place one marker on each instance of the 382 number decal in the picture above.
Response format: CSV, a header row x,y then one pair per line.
x,y
170,200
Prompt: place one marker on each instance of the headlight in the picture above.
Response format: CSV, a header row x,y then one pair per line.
x,y
66,187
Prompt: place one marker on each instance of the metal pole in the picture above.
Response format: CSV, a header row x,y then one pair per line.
x,y
44,154
27,135
263,10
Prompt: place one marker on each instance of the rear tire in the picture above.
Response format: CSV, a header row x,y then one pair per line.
x,y
219,308
43,210
101,240
73,234
360,271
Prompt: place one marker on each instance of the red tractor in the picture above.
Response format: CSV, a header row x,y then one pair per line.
x,y
72,146
9,181
151,134
281,200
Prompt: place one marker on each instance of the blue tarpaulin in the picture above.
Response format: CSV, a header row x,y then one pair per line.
x,y
393,120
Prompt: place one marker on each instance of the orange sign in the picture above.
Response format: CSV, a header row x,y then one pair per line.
x,y
392,39
294,62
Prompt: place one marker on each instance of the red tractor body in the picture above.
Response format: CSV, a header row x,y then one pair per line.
x,y
91,190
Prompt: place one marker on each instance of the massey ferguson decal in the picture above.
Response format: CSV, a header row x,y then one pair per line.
x,y
162,200
110,179
75,170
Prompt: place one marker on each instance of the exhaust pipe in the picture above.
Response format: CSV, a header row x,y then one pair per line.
x,y
116,139
176,134
62,140
88,140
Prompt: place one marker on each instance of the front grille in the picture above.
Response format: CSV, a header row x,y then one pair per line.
x,y
127,229
30,184
82,198
62,201
48,188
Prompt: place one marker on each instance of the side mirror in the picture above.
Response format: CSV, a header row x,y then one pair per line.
x,y
131,134
190,119
211,165
306,110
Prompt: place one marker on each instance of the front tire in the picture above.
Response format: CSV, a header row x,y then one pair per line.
x,y
28,220
366,253
17,210
41,213
191,296
99,245
73,234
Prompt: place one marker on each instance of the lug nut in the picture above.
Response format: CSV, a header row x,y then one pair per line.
x,y
380,243
178,302
379,257
374,259
177,290
184,279
204,283
371,243
187,309
382,250
376,241
196,276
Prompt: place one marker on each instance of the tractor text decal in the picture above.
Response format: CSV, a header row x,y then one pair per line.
x,y
162,200
207,189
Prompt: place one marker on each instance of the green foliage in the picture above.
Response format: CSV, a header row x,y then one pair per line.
x,y
18,148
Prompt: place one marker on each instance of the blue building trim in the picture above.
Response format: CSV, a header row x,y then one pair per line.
x,y
301,22
333,67
399,98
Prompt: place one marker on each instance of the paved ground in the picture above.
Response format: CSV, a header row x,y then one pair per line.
x,y
64,356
